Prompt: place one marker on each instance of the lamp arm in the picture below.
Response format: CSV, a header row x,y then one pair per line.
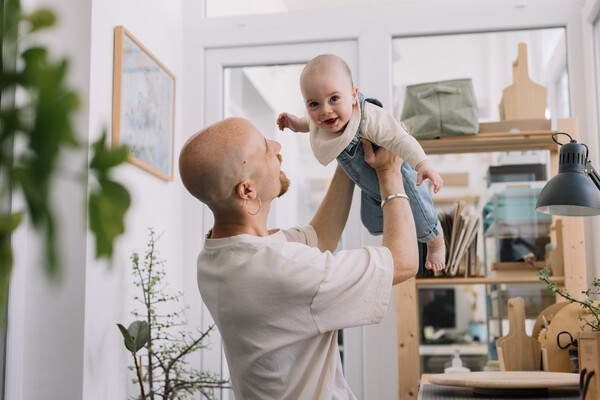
x,y
591,172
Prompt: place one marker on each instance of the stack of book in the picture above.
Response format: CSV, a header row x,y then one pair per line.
x,y
460,231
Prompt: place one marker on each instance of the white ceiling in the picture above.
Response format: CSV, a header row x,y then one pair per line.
x,y
220,8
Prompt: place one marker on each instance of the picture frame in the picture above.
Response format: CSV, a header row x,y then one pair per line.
x,y
143,109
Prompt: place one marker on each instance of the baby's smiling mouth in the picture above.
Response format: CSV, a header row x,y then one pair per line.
x,y
330,121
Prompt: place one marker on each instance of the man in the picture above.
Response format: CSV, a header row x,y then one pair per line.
x,y
279,297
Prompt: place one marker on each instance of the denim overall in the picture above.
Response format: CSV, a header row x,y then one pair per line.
x,y
352,161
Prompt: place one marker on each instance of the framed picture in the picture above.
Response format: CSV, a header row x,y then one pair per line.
x,y
143,106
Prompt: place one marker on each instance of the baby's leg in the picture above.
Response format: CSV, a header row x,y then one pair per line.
x,y
371,213
429,229
436,253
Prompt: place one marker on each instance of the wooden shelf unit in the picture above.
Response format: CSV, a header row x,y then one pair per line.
x,y
571,242
490,142
559,280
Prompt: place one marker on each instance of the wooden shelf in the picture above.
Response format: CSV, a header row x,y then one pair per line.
x,y
569,255
483,279
451,200
489,142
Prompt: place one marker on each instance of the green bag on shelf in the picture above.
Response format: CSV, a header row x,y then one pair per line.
x,y
444,108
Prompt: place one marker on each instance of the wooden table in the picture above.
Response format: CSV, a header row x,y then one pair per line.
x,y
438,392
430,391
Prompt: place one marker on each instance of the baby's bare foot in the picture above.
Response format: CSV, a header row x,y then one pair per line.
x,y
436,253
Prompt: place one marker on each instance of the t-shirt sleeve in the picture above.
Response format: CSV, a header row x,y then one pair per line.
x,y
381,128
355,288
305,235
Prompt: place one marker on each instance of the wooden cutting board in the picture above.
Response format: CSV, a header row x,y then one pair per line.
x,y
506,379
517,351
549,313
567,319
524,99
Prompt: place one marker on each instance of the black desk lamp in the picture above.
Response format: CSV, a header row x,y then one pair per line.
x,y
575,190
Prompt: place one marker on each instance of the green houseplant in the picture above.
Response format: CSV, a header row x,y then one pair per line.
x,y
588,305
42,126
162,335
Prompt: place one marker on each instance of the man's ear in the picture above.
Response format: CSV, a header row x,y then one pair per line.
x,y
354,95
246,190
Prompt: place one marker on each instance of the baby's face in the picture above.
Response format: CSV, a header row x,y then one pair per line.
x,y
328,98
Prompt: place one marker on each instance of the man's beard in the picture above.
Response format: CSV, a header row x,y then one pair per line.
x,y
285,184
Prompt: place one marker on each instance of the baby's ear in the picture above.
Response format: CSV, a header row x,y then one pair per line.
x,y
354,95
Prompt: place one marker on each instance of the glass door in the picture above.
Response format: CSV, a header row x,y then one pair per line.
x,y
258,83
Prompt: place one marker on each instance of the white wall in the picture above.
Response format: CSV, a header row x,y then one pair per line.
x,y
155,203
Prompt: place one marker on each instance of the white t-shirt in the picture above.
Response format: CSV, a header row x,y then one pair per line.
x,y
278,302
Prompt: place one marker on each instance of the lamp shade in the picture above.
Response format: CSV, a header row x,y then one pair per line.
x,y
571,192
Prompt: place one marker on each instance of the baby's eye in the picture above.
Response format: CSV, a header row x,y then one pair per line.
x,y
334,99
313,104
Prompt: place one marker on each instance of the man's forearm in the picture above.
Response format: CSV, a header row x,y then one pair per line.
x,y
399,233
331,217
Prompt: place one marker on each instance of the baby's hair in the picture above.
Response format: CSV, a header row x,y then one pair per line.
x,y
324,60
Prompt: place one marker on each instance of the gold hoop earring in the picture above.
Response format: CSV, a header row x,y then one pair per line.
x,y
259,207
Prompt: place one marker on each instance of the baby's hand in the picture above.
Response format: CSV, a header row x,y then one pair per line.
x,y
292,122
426,171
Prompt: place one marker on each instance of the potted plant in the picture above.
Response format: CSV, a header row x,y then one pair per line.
x,y
588,343
162,335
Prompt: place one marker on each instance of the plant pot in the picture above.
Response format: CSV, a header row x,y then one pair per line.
x,y
589,358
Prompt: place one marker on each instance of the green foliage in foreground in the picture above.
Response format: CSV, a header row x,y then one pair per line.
x,y
34,133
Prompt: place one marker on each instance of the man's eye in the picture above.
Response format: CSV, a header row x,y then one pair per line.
x,y
313,104
334,99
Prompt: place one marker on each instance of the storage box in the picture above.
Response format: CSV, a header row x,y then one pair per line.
x,y
513,204
516,173
512,228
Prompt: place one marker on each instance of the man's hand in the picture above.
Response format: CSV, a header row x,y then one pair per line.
x,y
292,122
381,160
426,171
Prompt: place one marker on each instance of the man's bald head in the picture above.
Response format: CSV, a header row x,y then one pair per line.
x,y
326,64
216,159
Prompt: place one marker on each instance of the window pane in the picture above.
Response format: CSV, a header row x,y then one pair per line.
x,y
259,94
487,59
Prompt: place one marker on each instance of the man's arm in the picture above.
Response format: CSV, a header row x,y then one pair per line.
x,y
331,217
399,233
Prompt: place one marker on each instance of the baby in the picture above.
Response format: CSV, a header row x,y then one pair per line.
x,y
339,117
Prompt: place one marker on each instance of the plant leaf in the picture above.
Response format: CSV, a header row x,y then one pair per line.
x,y
129,341
108,204
140,331
40,18
9,222
105,158
6,262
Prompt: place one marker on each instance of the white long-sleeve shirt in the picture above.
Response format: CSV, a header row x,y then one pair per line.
x,y
377,125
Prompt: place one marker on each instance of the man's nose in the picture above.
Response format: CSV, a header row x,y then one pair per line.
x,y
276,146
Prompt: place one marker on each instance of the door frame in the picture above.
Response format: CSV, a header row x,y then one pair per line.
x,y
371,369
